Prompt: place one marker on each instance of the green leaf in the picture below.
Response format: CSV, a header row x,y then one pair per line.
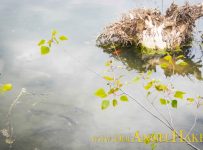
x,y
163,101
149,73
54,32
101,93
113,90
179,94
149,85
115,102
108,78
124,98
161,87
168,58
164,65
63,38
105,104
136,79
44,50
180,56
42,42
181,62
190,99
174,103
6,87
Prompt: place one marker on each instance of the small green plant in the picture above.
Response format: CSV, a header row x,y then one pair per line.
x,y
114,84
45,45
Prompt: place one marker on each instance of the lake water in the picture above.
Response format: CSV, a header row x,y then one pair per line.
x,y
62,113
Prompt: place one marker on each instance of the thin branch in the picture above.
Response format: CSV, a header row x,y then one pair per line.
x,y
155,116
193,126
141,105
169,112
161,114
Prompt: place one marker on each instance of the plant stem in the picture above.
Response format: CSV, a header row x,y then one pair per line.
x,y
155,116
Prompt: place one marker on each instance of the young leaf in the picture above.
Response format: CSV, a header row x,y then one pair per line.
x,y
63,38
118,83
181,62
101,93
105,104
42,42
7,87
124,98
44,50
108,78
168,58
180,56
54,32
149,85
149,73
115,102
113,90
190,99
163,101
174,103
161,87
164,65
179,94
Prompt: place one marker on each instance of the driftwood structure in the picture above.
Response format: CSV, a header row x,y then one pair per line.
x,y
151,29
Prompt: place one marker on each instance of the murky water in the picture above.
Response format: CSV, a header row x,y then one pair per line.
x,y
62,113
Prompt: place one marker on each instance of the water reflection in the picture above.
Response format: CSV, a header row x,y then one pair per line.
x,y
134,60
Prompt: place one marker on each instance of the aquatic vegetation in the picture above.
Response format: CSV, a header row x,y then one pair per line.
x,y
45,45
166,93
114,84
178,62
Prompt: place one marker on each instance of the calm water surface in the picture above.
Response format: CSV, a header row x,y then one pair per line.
x,y
62,113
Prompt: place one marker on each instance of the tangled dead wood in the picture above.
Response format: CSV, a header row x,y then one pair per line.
x,y
150,29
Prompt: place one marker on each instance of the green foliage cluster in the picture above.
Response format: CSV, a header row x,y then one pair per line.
x,y
114,84
45,45
168,94
165,93
170,62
